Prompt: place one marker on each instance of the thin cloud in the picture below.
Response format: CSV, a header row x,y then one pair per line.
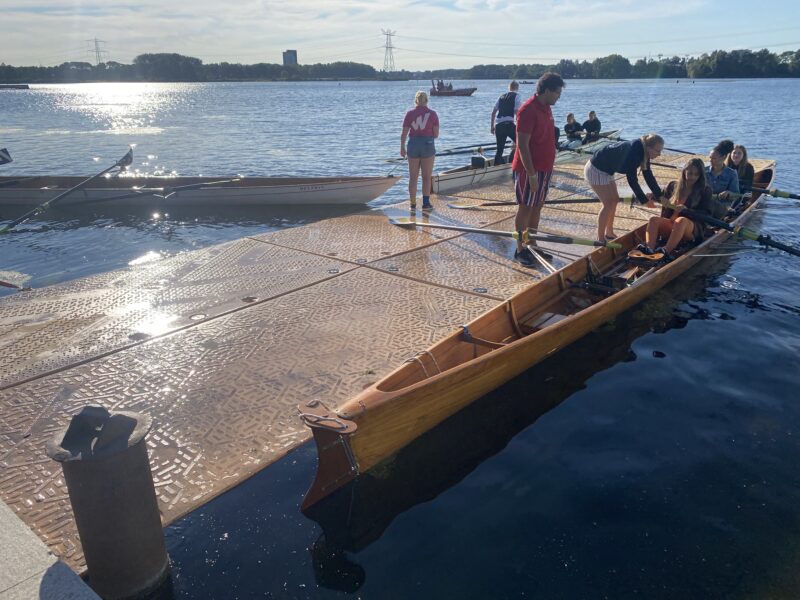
x,y
456,33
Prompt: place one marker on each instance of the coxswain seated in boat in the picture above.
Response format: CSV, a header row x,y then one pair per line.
x,y
592,128
669,231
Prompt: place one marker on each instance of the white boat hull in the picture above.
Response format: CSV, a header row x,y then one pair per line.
x,y
468,176
248,191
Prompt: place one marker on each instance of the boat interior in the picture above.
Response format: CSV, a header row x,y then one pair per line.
x,y
581,284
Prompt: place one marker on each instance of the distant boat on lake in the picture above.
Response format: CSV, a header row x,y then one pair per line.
x,y
442,89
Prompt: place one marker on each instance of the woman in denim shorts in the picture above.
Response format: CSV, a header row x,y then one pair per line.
x,y
421,128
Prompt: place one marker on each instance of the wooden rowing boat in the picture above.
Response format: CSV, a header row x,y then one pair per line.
x,y
495,347
484,170
198,191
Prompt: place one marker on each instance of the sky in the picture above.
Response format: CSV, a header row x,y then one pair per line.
x,y
430,34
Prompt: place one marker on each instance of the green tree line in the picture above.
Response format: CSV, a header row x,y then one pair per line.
x,y
176,67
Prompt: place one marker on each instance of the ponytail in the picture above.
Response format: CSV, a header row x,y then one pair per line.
x,y
648,141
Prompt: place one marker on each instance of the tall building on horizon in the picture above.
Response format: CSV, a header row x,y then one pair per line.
x,y
289,58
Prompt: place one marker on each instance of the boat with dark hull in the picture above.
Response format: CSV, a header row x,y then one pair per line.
x,y
449,90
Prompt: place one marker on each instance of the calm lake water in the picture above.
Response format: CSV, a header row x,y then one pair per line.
x,y
655,458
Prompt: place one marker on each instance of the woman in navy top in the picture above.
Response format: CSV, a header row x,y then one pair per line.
x,y
628,158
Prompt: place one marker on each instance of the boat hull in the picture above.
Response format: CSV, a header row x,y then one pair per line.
x,y
458,92
248,191
464,177
390,414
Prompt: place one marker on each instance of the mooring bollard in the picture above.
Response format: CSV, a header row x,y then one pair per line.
x,y
104,457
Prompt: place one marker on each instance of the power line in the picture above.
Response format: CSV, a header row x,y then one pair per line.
x,y
551,60
726,35
351,53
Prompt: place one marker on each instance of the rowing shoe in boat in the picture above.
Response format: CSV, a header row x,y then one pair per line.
x,y
495,347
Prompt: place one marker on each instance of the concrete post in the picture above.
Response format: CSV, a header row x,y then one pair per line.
x,y
107,471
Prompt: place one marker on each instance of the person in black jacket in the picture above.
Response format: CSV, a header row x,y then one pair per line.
x,y
690,191
622,157
573,130
591,127
504,116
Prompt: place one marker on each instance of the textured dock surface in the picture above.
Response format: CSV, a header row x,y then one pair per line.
x,y
221,344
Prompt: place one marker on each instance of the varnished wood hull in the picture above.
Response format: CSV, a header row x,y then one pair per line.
x,y
444,379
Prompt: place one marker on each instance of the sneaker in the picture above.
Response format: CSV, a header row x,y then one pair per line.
x,y
541,252
427,206
524,257
412,205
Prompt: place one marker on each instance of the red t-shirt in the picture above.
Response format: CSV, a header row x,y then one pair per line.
x,y
536,119
421,120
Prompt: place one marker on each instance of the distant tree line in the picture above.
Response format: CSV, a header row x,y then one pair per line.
x,y
176,67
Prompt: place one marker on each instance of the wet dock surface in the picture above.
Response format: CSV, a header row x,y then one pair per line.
x,y
220,345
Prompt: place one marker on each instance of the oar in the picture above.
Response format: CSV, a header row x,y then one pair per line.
x,y
775,193
19,288
18,181
468,206
165,192
526,235
8,278
737,230
471,146
677,150
122,162
170,191
452,152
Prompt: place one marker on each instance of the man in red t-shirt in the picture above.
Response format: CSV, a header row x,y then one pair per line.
x,y
534,160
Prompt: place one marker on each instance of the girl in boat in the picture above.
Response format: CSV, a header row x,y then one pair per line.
x,y
573,130
421,127
737,160
721,179
690,191
622,157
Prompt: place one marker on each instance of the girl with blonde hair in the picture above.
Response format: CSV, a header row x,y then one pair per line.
x,y
627,157
421,127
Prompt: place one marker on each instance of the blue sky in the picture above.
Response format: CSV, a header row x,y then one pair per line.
x,y
430,33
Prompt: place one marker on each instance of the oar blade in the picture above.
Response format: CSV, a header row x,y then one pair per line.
x,y
401,221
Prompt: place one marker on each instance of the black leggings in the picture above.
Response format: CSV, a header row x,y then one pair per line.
x,y
504,130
